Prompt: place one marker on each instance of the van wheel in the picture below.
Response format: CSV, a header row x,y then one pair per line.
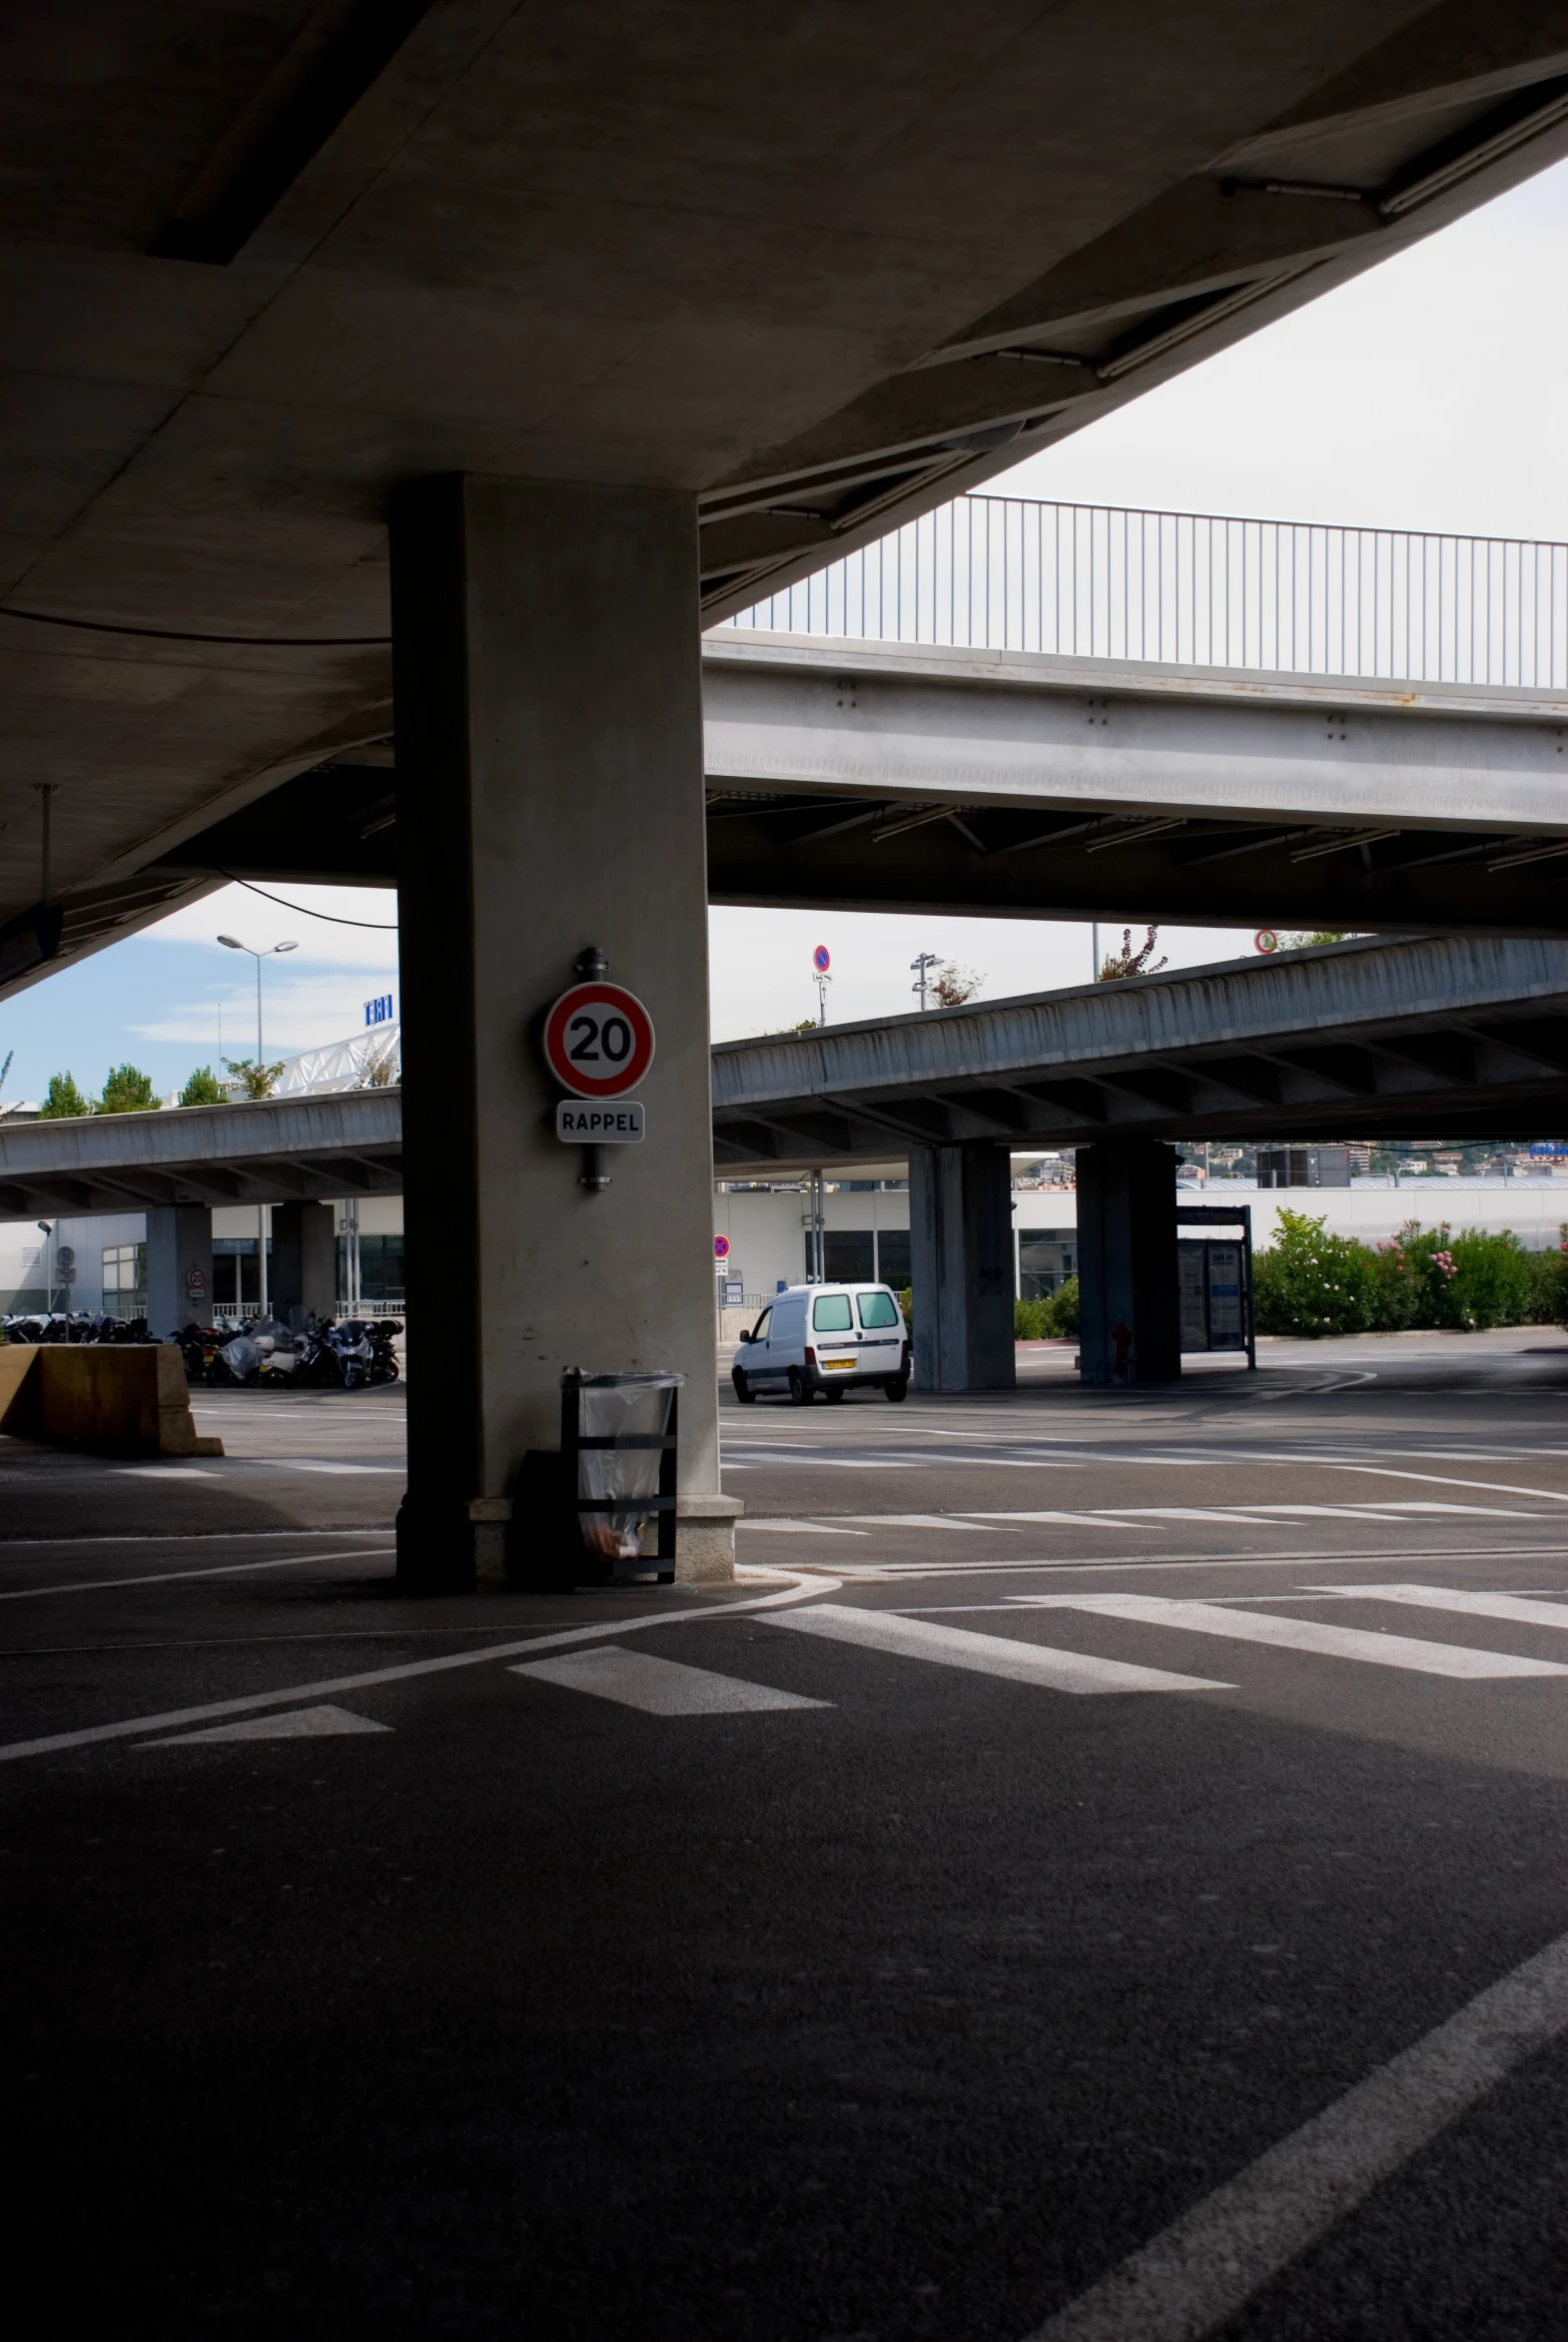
x,y
743,1390
799,1393
898,1389
834,1395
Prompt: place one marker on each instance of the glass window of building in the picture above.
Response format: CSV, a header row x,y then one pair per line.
x,y
125,1280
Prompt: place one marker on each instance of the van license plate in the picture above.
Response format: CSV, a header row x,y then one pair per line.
x,y
838,1366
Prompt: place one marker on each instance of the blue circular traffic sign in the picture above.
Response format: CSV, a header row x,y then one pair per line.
x,y
820,960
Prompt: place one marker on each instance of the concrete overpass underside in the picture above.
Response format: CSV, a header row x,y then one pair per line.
x,y
1465,1036
878,776
1455,1035
813,275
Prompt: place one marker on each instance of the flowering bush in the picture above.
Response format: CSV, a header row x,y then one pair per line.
x,y
1311,1282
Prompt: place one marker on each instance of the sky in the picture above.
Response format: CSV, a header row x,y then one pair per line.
x,y
1429,394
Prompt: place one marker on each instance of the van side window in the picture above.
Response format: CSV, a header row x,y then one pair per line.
x,y
759,1331
877,1309
830,1314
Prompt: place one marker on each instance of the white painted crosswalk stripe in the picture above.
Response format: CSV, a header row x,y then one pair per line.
x,y
659,1687
1018,1661
918,1521
321,1723
1521,1609
1298,1634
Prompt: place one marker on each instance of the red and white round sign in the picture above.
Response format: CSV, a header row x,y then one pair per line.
x,y
599,1040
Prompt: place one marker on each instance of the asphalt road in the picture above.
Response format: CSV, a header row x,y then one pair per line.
x,y
1091,1821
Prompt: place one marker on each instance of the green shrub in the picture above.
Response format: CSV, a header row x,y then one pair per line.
x,y
204,1089
1312,1284
1063,1307
1495,1278
1052,1315
1549,1300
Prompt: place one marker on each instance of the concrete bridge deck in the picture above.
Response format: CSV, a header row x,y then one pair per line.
x,y
1465,1034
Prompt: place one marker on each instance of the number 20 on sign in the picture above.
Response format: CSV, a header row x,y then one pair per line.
x,y
599,1040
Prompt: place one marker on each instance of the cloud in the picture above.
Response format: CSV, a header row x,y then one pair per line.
x,y
236,910
302,1010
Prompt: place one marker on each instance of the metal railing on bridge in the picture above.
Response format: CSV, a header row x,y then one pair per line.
x,y
1199,590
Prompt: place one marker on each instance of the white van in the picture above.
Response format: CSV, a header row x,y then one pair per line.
x,y
827,1338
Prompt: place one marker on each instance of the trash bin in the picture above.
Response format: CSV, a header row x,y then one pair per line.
x,y
618,1450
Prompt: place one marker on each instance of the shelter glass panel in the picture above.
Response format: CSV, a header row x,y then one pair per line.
x,y
1046,1258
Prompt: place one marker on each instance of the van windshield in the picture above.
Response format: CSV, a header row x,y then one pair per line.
x,y
759,1331
830,1314
877,1309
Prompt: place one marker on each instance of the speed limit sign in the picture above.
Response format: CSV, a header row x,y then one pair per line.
x,y
599,1040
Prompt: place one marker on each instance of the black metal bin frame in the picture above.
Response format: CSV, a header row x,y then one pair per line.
x,y
572,1446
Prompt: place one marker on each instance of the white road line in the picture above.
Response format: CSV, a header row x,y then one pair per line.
x,y
660,1686
317,1464
1327,1512
212,1711
796,1528
227,1569
1077,1520
167,1472
1018,1662
1198,2273
1449,1480
1300,1634
1188,1512
324,1723
1517,1607
918,1521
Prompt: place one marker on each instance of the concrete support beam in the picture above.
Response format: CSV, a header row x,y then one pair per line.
x,y
961,1263
1128,1300
549,798
303,1275
179,1266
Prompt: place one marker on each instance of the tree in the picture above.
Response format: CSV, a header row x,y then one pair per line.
x,y
62,1097
1127,961
255,1080
1305,941
127,1090
204,1089
952,985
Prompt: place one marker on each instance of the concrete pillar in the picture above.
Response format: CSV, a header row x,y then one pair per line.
x,y
178,1248
961,1267
303,1271
1127,1263
549,798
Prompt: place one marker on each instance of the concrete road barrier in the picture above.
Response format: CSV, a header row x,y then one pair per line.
x,y
130,1402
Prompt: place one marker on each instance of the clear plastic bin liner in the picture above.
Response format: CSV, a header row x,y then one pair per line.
x,y
621,1406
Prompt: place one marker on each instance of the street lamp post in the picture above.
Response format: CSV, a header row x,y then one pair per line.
x,y
235,945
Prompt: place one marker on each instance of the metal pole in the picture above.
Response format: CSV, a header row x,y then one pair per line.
x,y
261,1209
1094,973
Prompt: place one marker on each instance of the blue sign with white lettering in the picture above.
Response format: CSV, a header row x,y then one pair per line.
x,y
379,1011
